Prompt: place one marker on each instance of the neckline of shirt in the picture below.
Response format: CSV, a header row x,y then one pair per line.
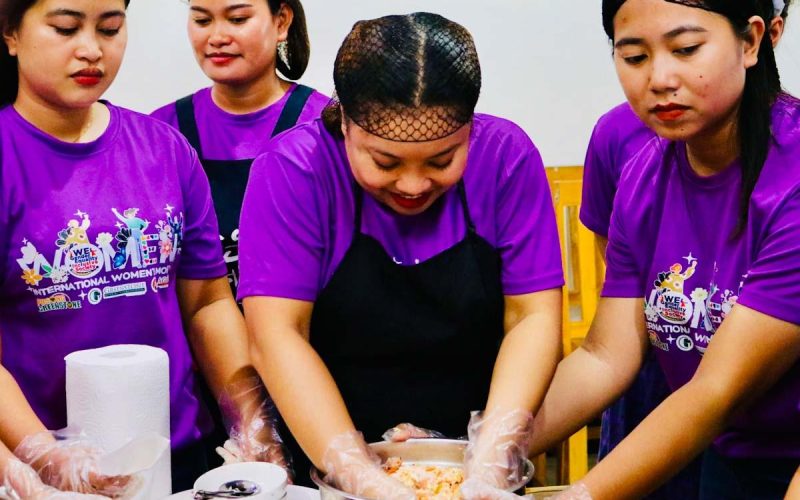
x,y
220,114
72,148
730,174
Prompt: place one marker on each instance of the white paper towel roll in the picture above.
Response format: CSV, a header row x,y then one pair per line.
x,y
118,393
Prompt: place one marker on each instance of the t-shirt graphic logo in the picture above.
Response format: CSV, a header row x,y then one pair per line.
x,y
133,261
668,299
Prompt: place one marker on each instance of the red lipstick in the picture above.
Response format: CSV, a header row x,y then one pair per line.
x,y
88,77
221,58
411,203
669,112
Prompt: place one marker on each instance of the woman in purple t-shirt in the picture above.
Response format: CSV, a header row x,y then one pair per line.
x,y
393,252
241,46
705,229
107,236
616,138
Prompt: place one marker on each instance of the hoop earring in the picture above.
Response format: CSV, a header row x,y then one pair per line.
x,y
283,53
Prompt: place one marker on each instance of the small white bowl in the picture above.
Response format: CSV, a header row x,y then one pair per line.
x,y
271,478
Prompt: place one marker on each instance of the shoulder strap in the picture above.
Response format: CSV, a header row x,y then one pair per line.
x,y
462,194
187,123
294,106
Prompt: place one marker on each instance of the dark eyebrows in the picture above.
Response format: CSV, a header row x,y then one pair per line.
x,y
437,155
113,13
66,12
80,15
670,35
384,153
624,42
680,30
227,9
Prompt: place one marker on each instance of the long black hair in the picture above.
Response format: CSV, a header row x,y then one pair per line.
x,y
761,89
299,46
11,14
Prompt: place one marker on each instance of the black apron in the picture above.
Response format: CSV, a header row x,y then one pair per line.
x,y
228,178
409,343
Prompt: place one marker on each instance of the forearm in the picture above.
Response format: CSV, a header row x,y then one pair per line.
x,y
525,364
17,418
794,488
302,388
661,446
584,385
218,338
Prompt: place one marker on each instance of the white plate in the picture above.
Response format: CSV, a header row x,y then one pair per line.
x,y
293,493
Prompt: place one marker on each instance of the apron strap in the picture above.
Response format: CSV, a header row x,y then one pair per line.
x,y
462,194
187,123
358,200
291,111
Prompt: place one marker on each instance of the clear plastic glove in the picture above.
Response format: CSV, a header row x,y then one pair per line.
x,y
250,417
477,489
406,431
353,468
577,491
67,462
21,482
498,447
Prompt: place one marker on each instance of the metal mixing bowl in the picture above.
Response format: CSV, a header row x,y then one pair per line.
x,y
444,452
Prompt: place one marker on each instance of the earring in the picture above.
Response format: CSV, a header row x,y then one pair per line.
x,y
283,53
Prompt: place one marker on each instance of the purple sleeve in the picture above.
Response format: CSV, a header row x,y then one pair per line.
x,y
201,251
281,247
599,185
623,276
167,114
527,232
772,285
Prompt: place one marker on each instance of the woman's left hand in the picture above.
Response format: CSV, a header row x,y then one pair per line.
x,y
405,431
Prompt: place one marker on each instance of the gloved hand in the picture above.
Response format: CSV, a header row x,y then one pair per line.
x,y
250,417
67,462
406,431
22,483
477,489
577,491
498,447
353,468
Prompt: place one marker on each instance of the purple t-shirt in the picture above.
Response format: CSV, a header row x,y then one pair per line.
x,y
226,136
670,242
297,218
617,136
93,238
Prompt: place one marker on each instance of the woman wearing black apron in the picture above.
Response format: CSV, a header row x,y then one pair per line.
x,y
240,45
392,252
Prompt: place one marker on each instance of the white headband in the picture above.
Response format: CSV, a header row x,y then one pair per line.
x,y
779,6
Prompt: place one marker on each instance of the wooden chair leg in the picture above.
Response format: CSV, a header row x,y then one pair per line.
x,y
578,455
540,469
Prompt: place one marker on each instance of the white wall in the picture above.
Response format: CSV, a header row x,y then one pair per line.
x,y
546,63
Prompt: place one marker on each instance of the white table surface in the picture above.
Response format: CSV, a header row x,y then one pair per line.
x,y
293,493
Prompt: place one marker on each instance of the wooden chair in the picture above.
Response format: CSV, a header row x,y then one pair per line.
x,y
581,292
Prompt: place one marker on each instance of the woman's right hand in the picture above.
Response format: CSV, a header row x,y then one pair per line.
x,y
21,482
351,467
71,465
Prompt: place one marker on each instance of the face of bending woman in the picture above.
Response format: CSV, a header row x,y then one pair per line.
x,y
682,68
408,177
68,51
235,41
